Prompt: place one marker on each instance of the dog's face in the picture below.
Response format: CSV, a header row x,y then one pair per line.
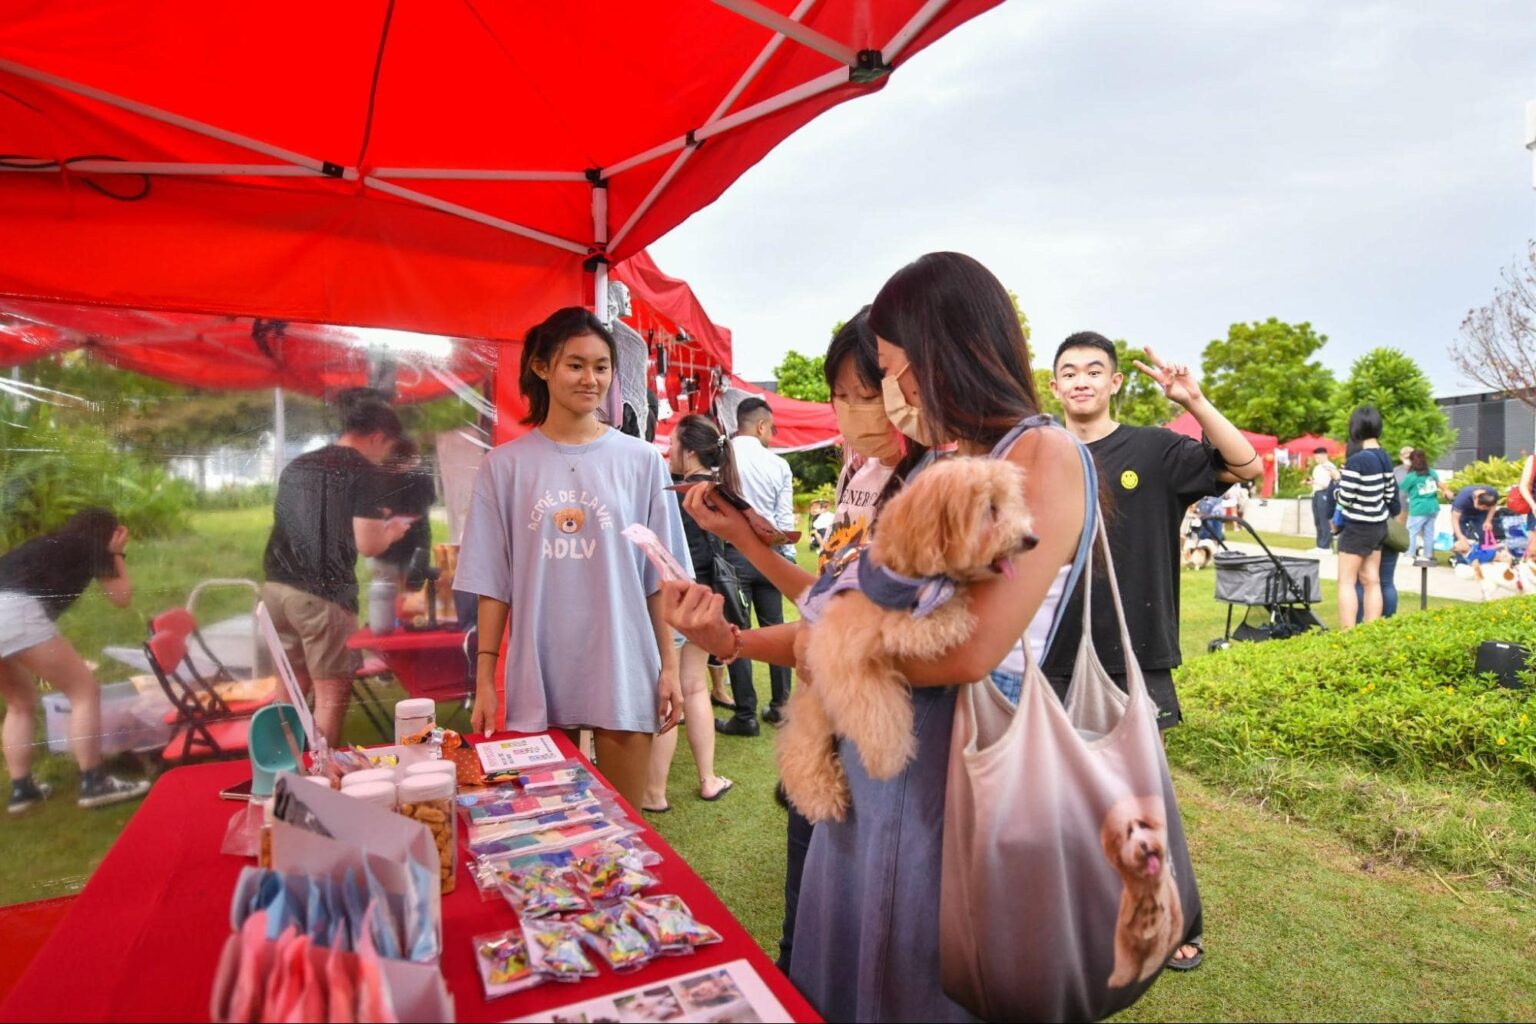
x,y
964,518
1135,838
569,520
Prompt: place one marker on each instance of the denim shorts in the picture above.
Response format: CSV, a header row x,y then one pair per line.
x,y
23,623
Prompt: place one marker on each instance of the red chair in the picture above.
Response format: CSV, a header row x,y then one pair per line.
x,y
206,725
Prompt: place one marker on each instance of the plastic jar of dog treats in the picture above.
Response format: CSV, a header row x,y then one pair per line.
x,y
436,766
414,717
380,794
264,849
366,777
429,799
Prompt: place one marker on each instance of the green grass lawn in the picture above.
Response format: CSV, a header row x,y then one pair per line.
x,y
1300,924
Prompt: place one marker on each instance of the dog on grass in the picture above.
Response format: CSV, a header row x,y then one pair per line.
x,y
1151,921
960,521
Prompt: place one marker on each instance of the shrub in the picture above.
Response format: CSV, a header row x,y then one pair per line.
x,y
48,473
1292,482
1400,694
1500,473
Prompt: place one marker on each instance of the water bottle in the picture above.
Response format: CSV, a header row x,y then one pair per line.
x,y
381,605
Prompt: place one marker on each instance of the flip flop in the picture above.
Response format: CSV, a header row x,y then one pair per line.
x,y
729,785
724,705
1189,963
656,810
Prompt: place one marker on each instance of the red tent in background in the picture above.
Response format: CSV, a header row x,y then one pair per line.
x,y
449,169
1301,448
1264,444
241,353
697,355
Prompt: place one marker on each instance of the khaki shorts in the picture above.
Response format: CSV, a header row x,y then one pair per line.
x,y
314,632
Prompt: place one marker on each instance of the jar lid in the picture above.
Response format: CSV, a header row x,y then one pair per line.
x,y
367,777
319,780
431,786
435,766
415,707
381,794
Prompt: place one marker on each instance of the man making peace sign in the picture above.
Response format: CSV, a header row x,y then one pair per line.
x,y
1149,475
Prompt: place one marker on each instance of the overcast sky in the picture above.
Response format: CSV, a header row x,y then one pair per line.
x,y
1155,172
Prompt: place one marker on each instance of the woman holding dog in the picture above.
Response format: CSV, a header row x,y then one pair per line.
x,y
955,369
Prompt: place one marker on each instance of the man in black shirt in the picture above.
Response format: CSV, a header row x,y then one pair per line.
x,y
327,512
1149,476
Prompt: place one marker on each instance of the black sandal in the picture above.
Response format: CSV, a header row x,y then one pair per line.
x,y
1191,962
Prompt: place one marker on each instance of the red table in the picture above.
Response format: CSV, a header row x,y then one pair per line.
x,y
428,663
143,939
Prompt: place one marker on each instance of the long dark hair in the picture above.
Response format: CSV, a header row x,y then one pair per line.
x,y
94,524
955,322
855,340
544,343
698,434
364,411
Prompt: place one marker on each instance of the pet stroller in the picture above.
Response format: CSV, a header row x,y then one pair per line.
x,y
1283,585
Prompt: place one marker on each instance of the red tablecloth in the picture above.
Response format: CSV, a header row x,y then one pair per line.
x,y
143,939
428,663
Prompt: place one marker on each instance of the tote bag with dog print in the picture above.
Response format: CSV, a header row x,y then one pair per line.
x,y
1066,877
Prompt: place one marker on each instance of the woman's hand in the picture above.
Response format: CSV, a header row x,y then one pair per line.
x,y
716,516
698,613
482,718
119,542
669,698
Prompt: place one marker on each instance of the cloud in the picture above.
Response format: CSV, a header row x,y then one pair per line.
x,y
1155,174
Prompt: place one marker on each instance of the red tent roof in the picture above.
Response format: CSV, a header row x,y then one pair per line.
x,y
1263,444
439,168
677,311
224,352
1302,447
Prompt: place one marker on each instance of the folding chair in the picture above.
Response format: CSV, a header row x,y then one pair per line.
x,y
368,698
207,725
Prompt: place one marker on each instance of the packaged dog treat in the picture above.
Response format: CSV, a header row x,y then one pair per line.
x,y
672,924
618,935
504,964
542,890
511,803
667,567
609,877
554,949
429,800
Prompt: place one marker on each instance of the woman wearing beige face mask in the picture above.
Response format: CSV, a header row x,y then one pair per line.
x,y
876,458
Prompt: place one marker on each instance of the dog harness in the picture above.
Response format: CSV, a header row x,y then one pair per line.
x,y
917,596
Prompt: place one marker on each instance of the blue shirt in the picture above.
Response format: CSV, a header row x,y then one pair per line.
x,y
542,534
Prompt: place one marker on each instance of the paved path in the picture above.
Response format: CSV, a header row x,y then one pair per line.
x,y
1442,581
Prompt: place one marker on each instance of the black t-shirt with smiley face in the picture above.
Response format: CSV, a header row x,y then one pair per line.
x,y
1148,476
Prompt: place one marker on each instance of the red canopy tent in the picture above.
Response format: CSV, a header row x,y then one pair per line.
x,y
449,169
1301,448
225,352
1264,444
666,312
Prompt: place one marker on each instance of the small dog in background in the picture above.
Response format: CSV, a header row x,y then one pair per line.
x,y
1151,921
960,521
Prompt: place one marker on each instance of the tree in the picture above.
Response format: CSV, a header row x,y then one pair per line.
x,y
1498,341
1264,379
1388,379
802,377
1141,401
1048,401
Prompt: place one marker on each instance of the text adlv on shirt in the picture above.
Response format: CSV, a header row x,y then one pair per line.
x,y
576,516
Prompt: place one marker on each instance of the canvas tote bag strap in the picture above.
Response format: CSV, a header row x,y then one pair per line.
x,y
1090,506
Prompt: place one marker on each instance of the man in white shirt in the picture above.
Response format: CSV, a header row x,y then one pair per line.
x,y
769,487
1324,475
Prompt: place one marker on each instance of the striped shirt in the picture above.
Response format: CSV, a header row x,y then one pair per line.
x,y
1367,487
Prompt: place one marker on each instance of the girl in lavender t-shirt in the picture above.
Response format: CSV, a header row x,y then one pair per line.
x,y
587,647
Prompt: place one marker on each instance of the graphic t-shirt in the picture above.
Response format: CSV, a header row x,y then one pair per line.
x,y
542,534
313,546
56,569
1148,477
1423,492
858,494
